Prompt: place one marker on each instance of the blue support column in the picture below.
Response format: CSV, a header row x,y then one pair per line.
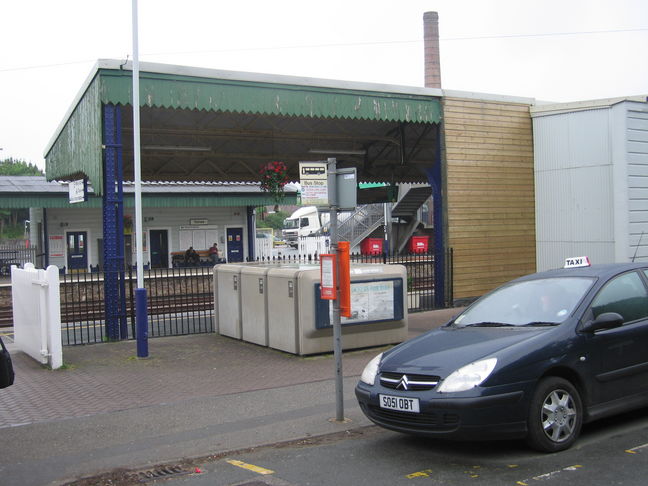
x,y
251,228
119,187
435,178
439,227
141,328
113,225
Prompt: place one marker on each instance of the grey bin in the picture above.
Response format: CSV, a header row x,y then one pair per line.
x,y
228,299
279,306
254,311
283,308
296,316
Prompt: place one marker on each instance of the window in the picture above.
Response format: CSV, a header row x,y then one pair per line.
x,y
625,295
546,300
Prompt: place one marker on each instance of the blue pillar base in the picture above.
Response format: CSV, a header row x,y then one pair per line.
x,y
141,321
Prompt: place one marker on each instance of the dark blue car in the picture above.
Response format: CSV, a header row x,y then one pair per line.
x,y
535,359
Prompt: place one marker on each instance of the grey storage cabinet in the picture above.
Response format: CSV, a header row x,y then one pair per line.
x,y
254,308
228,301
279,306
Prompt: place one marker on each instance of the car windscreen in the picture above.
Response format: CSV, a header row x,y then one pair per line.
x,y
291,223
547,301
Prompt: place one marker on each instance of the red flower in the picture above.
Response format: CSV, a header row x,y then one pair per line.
x,y
274,176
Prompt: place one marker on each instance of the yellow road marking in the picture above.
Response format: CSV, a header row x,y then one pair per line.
x,y
419,474
635,449
250,467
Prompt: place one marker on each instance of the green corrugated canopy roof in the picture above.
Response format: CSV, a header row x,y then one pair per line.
x,y
76,148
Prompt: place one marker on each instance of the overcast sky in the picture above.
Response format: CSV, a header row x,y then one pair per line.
x,y
558,50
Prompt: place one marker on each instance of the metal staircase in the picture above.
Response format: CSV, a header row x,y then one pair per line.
x,y
407,207
407,210
361,223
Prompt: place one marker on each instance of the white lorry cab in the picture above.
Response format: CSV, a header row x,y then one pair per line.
x,y
305,221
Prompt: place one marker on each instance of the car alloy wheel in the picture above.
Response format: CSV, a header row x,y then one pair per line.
x,y
555,415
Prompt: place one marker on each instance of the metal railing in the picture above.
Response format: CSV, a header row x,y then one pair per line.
x,y
180,301
15,255
420,269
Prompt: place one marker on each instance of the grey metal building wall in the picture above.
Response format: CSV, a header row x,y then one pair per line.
x,y
591,176
636,139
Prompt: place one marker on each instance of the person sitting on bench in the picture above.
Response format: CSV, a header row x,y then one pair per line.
x,y
191,257
214,254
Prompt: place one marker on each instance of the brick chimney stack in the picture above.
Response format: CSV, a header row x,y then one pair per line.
x,y
431,47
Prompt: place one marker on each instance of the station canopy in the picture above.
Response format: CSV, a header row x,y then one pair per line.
x,y
221,126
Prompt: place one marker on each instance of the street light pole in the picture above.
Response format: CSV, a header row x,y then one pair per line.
x,y
141,317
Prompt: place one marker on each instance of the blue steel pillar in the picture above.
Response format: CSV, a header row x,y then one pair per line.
x,y
251,230
113,226
435,178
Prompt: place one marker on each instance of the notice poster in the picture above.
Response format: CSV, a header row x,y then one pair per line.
x,y
56,246
314,193
371,301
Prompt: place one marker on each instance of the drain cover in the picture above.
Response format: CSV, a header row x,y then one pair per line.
x,y
161,472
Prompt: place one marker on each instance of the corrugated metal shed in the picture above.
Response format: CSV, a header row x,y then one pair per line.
x,y
260,118
591,179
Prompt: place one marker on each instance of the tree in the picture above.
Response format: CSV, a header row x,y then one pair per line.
x,y
11,220
16,167
270,220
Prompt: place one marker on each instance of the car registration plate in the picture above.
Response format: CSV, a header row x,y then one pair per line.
x,y
402,404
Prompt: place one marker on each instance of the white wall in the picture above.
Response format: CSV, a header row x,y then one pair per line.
x,y
177,221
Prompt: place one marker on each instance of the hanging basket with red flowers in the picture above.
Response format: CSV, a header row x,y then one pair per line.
x,y
274,176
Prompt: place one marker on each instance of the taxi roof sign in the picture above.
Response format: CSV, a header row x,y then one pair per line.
x,y
575,262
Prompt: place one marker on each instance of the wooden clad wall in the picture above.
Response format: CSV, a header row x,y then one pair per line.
x,y
489,193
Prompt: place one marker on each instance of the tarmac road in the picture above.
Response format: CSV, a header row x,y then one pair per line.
x,y
196,396
611,451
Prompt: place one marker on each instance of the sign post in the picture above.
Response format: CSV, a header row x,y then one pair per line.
x,y
341,191
335,314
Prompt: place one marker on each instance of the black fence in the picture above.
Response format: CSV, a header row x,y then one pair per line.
x,y
15,255
420,274
179,301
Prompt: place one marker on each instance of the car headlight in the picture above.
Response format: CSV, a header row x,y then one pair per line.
x,y
468,376
371,370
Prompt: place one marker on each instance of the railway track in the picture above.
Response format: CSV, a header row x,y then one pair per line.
x,y
94,310
6,316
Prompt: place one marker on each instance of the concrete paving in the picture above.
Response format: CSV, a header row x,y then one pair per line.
x,y
194,396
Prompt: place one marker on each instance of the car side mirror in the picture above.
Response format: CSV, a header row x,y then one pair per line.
x,y
607,320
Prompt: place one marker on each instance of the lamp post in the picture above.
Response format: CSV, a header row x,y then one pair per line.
x,y
141,317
